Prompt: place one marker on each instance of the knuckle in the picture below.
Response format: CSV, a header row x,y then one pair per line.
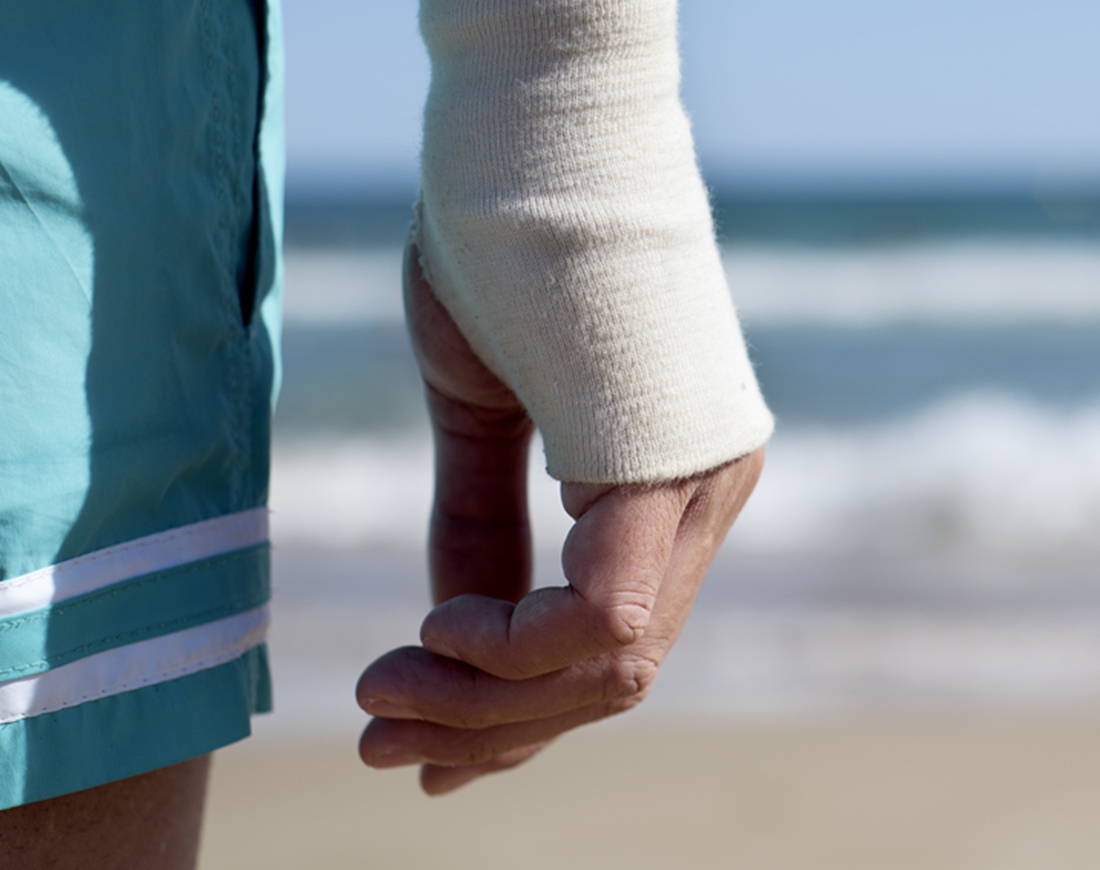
x,y
466,708
624,623
627,681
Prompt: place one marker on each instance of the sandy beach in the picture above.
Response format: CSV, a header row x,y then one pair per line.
x,y
856,714
937,793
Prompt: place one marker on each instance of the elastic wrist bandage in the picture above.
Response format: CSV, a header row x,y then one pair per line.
x,y
564,225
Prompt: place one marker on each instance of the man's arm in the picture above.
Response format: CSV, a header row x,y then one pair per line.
x,y
565,277
502,672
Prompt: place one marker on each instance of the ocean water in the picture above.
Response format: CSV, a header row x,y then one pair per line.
x,y
925,533
937,396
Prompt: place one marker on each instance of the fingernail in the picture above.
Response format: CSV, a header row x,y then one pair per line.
x,y
390,711
400,758
439,648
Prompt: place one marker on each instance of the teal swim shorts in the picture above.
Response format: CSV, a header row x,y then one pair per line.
x,y
140,216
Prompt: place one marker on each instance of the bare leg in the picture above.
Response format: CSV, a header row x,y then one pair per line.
x,y
149,821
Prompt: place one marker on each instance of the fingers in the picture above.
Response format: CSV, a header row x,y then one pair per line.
x,y
436,780
626,545
615,560
453,757
414,684
390,743
636,556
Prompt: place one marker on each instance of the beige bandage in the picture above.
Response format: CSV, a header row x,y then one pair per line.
x,y
564,225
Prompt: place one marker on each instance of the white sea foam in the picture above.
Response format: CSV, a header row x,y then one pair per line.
x,y
976,472
338,286
990,282
973,282
350,491
376,491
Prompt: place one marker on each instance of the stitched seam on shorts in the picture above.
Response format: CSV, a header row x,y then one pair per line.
x,y
240,370
111,552
232,606
235,607
220,83
113,591
224,656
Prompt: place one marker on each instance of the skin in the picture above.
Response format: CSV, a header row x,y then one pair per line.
x,y
502,670
152,820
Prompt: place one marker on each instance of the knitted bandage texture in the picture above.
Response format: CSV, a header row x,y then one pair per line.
x,y
564,225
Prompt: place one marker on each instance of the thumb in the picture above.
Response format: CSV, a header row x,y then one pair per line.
x,y
480,540
614,558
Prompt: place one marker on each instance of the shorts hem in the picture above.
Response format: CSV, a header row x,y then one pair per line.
x,y
134,732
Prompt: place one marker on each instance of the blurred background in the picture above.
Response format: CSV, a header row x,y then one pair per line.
x,y
908,199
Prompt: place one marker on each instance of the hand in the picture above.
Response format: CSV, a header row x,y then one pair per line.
x,y
502,670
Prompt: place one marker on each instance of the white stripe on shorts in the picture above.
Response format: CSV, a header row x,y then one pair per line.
x,y
122,669
146,555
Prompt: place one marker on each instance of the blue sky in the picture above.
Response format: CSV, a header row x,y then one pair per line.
x,y
846,92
